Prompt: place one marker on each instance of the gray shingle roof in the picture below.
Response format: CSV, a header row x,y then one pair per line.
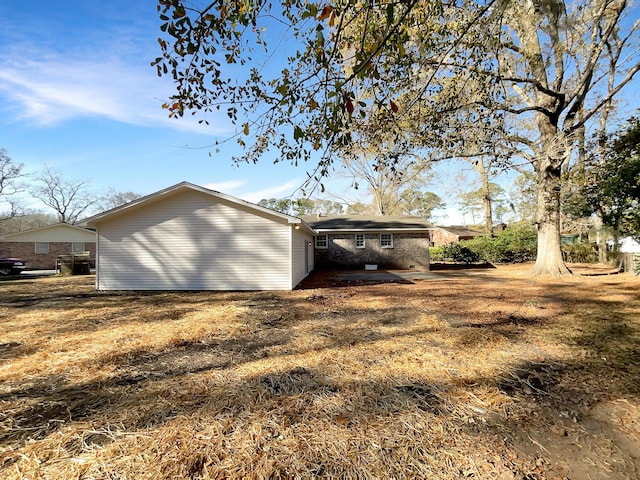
x,y
462,231
365,222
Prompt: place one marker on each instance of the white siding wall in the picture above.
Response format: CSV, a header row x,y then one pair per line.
x,y
302,263
190,241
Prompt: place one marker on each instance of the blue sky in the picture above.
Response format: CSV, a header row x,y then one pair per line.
x,y
77,93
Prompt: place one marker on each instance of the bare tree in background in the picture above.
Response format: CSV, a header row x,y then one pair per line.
x,y
10,173
70,199
112,199
25,219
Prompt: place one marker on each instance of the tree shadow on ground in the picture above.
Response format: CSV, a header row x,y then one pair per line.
x,y
438,266
533,434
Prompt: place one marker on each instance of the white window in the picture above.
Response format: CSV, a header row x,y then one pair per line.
x,y
77,247
359,240
386,240
42,247
322,241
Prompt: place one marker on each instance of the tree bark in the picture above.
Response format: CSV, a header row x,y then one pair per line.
x,y
548,166
601,244
549,259
488,211
482,170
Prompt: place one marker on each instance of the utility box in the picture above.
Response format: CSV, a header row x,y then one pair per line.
x,y
74,264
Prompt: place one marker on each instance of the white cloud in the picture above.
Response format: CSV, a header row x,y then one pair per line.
x,y
231,187
277,191
225,187
51,89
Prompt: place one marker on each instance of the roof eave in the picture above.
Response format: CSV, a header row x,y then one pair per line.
x,y
373,230
46,227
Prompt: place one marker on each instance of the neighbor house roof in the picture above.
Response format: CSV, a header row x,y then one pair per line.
x,y
184,186
461,231
359,223
59,232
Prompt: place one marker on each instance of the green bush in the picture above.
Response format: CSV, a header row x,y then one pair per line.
x,y
580,253
514,244
454,252
436,254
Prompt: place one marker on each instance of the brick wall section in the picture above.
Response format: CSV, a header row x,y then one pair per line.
x,y
42,261
409,251
442,237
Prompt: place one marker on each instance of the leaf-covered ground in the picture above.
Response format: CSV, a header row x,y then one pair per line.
x,y
482,373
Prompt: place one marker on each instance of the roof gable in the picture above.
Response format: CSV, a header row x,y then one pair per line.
x,y
60,232
167,193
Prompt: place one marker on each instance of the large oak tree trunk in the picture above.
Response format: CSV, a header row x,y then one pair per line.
x,y
488,214
601,244
549,259
486,197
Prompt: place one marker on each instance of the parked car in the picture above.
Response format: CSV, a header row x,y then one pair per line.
x,y
12,266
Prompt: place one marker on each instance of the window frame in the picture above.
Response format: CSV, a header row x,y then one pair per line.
x,y
75,244
362,244
41,248
325,244
384,243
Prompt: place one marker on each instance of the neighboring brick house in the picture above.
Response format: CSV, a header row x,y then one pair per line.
x,y
344,241
40,247
452,234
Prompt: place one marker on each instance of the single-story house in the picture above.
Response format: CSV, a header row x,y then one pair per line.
x,y
188,237
626,245
629,245
344,241
452,234
40,247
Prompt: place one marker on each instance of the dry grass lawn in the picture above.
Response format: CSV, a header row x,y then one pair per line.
x,y
473,374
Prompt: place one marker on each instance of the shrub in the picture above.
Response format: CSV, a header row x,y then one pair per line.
x,y
580,253
454,252
437,254
514,244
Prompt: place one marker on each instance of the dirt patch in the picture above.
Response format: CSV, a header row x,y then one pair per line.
x,y
483,373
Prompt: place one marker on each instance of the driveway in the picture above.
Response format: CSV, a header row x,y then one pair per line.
x,y
384,276
34,274
338,278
